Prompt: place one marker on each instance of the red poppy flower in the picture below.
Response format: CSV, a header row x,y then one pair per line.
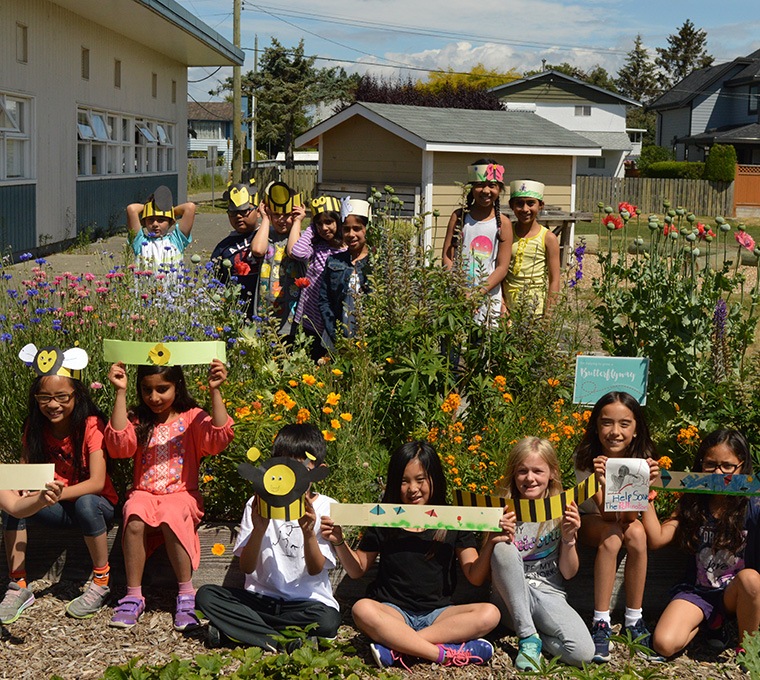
x,y
303,282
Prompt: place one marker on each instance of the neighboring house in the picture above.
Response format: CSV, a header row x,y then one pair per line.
x,y
591,111
93,110
713,105
424,153
210,124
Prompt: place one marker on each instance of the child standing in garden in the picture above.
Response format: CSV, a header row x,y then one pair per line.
x,y
616,429
286,565
64,427
159,232
723,534
167,434
481,236
533,275
531,561
278,292
322,238
408,610
345,276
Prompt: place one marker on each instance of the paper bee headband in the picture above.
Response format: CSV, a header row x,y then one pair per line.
x,y
491,172
54,361
239,197
324,204
354,206
279,198
280,485
160,204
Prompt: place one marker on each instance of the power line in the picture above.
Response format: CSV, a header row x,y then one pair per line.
x,y
200,80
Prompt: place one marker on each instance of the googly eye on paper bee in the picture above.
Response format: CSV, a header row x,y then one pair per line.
x,y
280,484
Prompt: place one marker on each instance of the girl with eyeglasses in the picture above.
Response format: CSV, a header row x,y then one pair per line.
x,y
64,427
723,534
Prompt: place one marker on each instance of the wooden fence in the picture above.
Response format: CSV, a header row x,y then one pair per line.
x,y
302,179
648,193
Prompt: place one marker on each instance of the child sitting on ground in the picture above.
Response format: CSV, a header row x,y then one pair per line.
x,y
159,232
286,565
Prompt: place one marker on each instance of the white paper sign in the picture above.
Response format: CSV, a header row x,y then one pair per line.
x,y
626,485
26,476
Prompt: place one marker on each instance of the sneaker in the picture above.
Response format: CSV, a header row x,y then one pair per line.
x,y
528,653
127,612
475,652
89,602
185,617
717,632
213,637
15,601
383,656
639,630
741,661
601,632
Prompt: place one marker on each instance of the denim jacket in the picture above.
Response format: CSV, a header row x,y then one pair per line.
x,y
335,287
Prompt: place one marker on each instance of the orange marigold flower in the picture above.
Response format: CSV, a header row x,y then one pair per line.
x,y
472,447
552,382
347,417
327,410
458,439
332,399
665,462
242,411
451,403
329,436
508,398
500,383
457,481
472,486
335,424
218,549
308,379
293,383
207,478
454,471
303,416
320,384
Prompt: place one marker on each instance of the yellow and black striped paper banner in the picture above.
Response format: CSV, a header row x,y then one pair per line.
x,y
539,510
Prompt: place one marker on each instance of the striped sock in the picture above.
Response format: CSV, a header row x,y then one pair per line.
x,y
19,577
102,575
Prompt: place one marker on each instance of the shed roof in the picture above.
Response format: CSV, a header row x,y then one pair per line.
x,y
209,111
183,36
740,134
445,129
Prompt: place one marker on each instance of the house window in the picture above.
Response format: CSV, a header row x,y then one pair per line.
x,y
154,85
111,144
117,73
15,137
754,95
22,44
583,110
85,63
596,162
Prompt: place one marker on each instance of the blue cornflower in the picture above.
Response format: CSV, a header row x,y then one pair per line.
x,y
18,327
6,337
24,257
12,293
242,352
32,291
231,341
35,319
41,260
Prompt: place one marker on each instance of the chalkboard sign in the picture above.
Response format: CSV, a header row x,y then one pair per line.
x,y
596,375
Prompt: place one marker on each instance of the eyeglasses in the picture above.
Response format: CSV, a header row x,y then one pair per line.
x,y
725,468
62,398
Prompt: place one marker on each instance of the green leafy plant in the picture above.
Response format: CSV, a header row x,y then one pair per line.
x,y
750,657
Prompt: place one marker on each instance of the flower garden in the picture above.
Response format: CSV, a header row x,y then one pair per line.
x,y
665,286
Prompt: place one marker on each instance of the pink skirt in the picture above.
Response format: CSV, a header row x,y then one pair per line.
x,y
181,512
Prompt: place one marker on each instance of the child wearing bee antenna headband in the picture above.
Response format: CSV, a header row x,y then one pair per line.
x,y
286,565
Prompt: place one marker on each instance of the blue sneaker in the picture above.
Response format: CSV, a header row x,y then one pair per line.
x,y
528,653
640,630
601,633
384,657
475,652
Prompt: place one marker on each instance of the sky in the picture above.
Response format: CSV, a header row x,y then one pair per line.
x,y
411,37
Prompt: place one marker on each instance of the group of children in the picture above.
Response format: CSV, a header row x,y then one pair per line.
x,y
408,611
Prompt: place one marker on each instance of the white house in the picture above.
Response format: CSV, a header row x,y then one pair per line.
x,y
595,113
93,110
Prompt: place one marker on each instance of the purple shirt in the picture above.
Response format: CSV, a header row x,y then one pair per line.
x,y
313,249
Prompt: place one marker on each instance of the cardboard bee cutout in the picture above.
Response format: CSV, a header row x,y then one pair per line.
x,y
54,361
160,204
280,198
280,485
239,198
325,203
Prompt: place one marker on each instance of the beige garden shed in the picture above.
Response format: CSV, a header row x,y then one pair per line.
x,y
423,152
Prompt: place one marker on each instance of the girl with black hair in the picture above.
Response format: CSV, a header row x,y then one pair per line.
x,y
64,427
408,611
167,434
479,237
617,428
723,534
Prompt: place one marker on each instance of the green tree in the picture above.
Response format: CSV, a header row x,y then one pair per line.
x,y
478,78
685,53
285,86
597,75
638,77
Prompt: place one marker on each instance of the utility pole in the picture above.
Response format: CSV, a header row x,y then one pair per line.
x,y
252,102
237,128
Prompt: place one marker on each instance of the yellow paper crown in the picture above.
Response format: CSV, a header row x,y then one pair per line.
x,y
325,203
279,198
239,197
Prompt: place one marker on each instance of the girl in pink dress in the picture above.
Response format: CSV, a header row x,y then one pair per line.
x,y
167,434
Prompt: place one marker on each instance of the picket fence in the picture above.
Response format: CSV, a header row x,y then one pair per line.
x,y
648,193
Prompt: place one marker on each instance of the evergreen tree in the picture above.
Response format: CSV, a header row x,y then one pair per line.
x,y
597,75
285,86
638,77
686,52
